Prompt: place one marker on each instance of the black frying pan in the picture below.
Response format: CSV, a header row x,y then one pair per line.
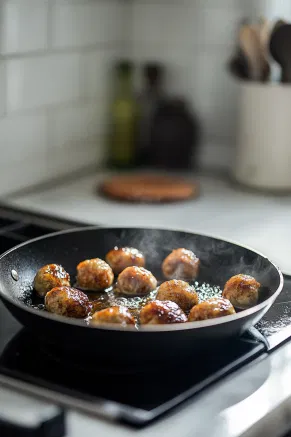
x,y
116,346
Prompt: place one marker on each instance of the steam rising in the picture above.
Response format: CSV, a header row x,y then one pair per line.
x,y
219,260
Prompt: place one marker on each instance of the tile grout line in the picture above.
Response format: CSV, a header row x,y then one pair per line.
x,y
32,54
49,12
3,79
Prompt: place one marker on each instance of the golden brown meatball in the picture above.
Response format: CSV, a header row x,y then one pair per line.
x,y
161,313
94,274
67,301
119,315
179,292
120,258
210,309
136,281
50,276
181,264
242,291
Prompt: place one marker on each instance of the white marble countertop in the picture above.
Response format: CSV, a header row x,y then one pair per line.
x,y
260,221
254,401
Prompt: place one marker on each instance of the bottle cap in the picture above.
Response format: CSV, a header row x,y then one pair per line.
x,y
153,71
124,66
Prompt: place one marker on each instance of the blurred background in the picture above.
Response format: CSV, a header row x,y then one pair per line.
x,y
62,70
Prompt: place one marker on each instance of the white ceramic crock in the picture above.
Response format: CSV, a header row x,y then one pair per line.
x,y
263,152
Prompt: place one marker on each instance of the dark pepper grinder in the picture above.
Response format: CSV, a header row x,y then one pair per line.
x,y
174,137
149,100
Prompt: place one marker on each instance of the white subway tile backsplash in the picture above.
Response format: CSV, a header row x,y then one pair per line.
x,y
214,93
147,23
126,16
86,23
91,156
2,88
230,4
23,173
96,74
42,81
216,26
76,125
163,24
216,155
23,25
58,59
22,138
185,24
54,79
76,138
272,9
65,162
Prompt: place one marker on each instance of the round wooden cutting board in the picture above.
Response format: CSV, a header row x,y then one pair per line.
x,y
149,188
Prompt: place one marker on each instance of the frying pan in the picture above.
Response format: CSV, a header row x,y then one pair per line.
x,y
120,347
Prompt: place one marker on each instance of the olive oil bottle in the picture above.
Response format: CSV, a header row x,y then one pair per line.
x,y
123,119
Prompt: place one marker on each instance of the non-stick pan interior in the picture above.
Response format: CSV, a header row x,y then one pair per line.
x,y
219,259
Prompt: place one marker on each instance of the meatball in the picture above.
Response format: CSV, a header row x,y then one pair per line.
x,y
118,314
242,291
94,274
120,258
210,309
179,292
136,281
67,301
50,276
161,313
181,264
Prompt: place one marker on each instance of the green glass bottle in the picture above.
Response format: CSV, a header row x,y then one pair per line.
x,y
124,118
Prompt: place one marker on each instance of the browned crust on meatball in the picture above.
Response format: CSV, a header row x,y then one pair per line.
x,y
94,274
161,313
68,301
123,257
119,315
242,291
136,281
181,264
50,276
179,292
211,309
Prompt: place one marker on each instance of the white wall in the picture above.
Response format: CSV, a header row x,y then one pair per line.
x,y
54,59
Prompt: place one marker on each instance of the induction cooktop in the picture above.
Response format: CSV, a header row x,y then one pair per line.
x,y
137,399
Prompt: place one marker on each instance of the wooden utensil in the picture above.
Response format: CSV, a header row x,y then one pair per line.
x,y
251,47
264,33
238,64
280,49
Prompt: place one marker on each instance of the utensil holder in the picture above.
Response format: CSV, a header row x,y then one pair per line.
x,y
263,152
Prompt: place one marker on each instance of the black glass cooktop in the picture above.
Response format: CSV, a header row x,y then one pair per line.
x,y
136,399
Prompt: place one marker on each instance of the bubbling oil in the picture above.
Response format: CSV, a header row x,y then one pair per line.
x,y
110,298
